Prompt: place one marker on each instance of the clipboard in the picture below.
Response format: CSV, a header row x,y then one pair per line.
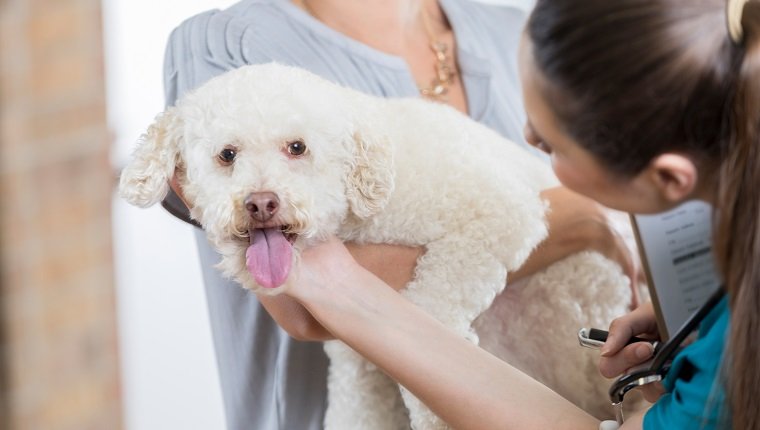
x,y
676,255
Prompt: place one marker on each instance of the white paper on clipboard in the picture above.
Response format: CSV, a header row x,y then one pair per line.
x,y
676,251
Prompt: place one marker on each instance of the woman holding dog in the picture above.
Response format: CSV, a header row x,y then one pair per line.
x,y
454,51
642,105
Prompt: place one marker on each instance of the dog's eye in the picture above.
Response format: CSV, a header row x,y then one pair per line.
x,y
227,156
296,148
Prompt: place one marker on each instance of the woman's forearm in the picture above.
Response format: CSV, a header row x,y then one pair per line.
x,y
463,384
293,317
577,224
564,240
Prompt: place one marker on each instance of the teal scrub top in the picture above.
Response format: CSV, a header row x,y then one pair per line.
x,y
695,395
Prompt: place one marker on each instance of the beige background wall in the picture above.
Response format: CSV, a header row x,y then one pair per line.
x,y
57,323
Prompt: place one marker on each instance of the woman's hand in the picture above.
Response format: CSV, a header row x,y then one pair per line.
x,y
322,267
577,223
618,358
334,263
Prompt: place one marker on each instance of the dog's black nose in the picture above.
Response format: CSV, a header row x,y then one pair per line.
x,y
262,206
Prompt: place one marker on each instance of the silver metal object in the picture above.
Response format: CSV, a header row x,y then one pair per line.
x,y
656,369
586,341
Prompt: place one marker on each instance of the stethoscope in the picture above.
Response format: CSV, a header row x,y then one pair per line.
x,y
656,369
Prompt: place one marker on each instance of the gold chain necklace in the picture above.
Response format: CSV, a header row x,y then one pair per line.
x,y
444,73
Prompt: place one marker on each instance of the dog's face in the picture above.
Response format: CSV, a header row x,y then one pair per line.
x,y
269,157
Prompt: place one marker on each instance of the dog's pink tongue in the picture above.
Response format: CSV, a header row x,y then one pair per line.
x,y
268,258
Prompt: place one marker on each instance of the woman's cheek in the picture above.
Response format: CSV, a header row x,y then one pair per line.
x,y
565,176
579,180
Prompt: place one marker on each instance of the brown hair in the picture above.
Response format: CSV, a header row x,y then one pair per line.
x,y
632,79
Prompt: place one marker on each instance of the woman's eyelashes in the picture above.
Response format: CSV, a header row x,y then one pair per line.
x,y
535,140
543,146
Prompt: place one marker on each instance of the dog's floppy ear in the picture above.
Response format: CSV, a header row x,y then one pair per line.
x,y
144,181
370,181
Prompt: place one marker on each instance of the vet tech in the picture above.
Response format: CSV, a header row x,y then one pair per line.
x,y
643,105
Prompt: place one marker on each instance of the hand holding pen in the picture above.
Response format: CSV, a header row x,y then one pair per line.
x,y
628,344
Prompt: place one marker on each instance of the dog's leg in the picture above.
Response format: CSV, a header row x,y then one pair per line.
x,y
360,396
455,282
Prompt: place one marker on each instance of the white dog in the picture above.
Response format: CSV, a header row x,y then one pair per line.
x,y
273,159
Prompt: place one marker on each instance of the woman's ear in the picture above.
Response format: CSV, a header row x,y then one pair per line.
x,y
674,176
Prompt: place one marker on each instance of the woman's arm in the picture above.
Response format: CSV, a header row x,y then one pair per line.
x,y
575,224
466,386
393,264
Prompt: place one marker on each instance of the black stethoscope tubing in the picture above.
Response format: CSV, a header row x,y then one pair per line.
x,y
664,353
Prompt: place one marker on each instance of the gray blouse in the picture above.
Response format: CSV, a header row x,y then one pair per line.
x,y
270,381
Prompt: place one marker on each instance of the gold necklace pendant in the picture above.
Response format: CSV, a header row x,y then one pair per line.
x,y
444,76
444,73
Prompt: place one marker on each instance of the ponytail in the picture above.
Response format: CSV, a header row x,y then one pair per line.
x,y
737,238
705,84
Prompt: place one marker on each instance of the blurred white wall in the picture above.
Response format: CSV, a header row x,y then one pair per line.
x,y
169,374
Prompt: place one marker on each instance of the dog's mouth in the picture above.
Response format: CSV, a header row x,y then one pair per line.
x,y
270,254
287,231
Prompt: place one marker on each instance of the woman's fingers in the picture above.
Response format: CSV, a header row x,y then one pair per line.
x,y
652,392
617,355
319,265
630,356
175,186
638,322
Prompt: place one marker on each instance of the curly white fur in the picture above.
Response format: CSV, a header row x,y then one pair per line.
x,y
404,172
